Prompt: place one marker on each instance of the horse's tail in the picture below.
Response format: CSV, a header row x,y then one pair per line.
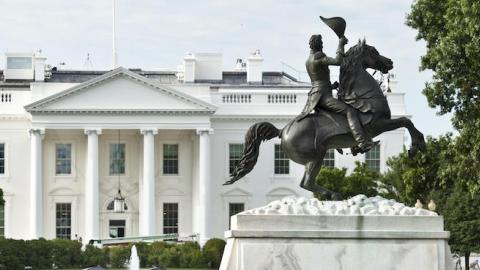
x,y
255,135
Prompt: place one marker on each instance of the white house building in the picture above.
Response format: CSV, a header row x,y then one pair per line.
x,y
71,139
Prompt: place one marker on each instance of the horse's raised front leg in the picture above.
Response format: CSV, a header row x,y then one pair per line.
x,y
308,181
418,141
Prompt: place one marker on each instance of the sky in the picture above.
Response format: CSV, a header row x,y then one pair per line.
x,y
156,35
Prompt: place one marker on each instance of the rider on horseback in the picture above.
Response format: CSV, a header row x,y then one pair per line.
x,y
320,96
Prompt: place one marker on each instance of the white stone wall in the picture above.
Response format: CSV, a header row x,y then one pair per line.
x,y
229,125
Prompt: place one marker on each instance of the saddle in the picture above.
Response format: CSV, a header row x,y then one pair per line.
x,y
330,123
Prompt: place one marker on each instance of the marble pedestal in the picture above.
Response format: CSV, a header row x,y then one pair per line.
x,y
306,237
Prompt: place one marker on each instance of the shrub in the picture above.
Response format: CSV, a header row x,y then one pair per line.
x,y
190,255
213,251
38,253
66,253
119,256
93,256
12,254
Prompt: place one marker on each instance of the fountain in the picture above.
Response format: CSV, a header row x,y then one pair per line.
x,y
134,260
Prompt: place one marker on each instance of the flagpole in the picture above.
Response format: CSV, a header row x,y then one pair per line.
x,y
114,47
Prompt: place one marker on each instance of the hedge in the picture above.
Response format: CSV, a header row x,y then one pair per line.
x,y
64,254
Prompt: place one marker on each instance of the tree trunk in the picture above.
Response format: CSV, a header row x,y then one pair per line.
x,y
467,260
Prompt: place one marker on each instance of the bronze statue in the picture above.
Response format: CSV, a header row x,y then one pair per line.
x,y
320,96
306,141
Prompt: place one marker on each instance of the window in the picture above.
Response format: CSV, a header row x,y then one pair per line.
x,y
233,209
372,158
170,218
116,228
63,158
2,220
329,158
117,158
111,205
19,62
2,158
282,163
235,152
64,220
170,159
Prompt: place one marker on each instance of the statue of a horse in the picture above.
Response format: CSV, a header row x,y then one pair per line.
x,y
307,141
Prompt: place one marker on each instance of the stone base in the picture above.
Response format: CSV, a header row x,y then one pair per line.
x,y
304,242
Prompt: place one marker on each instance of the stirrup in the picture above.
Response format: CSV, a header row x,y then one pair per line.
x,y
363,147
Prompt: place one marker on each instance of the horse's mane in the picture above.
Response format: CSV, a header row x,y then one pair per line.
x,y
348,69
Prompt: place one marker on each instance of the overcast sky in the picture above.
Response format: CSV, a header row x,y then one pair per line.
x,y
156,34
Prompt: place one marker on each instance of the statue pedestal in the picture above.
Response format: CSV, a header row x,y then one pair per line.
x,y
292,236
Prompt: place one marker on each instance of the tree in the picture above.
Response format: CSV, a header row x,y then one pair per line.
x,y
415,177
462,219
1,197
361,181
452,33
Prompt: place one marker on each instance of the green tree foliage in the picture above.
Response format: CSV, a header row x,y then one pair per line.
x,y
93,256
416,177
68,254
451,31
213,251
462,219
119,256
437,174
1,197
361,181
12,254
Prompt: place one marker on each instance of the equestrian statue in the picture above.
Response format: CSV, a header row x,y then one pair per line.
x,y
360,112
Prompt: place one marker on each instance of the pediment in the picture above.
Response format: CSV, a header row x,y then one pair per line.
x,y
282,192
121,91
236,192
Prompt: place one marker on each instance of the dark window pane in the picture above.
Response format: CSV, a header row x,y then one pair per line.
x,y
116,228
329,158
233,209
281,162
111,205
170,158
170,218
63,158
63,220
2,158
235,152
372,158
117,158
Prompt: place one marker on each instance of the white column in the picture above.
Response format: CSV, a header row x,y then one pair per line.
x,y
91,187
147,209
36,183
204,185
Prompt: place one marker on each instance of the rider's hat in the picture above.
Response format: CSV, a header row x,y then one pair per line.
x,y
337,24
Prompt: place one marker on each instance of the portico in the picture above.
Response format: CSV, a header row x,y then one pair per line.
x,y
151,118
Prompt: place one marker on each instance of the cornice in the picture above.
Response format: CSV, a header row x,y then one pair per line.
x,y
121,111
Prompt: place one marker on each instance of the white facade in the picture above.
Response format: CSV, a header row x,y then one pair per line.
x,y
202,117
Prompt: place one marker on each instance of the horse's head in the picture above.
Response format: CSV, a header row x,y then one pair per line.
x,y
368,57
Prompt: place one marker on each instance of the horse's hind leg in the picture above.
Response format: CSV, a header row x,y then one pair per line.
x,y
418,141
308,181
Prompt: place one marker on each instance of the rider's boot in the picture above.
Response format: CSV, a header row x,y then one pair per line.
x,y
365,143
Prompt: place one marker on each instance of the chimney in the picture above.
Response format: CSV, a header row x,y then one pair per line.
x,y
240,65
254,68
39,68
189,66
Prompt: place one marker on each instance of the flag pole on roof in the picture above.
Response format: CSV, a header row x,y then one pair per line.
x,y
114,47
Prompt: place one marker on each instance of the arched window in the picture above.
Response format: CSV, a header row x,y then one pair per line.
x,y
110,206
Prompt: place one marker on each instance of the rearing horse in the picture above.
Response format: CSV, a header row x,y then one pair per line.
x,y
307,141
